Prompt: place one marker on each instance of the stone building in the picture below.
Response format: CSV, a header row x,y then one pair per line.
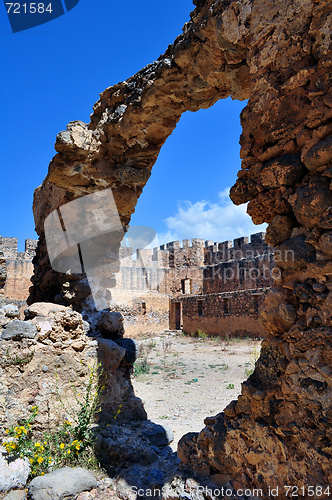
x,y
213,287
223,294
16,269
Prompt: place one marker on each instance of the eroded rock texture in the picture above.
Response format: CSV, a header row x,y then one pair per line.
x,y
48,360
277,54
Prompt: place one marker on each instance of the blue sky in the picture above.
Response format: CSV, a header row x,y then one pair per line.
x,y
54,73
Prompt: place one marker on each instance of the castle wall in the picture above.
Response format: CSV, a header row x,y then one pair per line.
x,y
242,265
198,267
18,267
223,314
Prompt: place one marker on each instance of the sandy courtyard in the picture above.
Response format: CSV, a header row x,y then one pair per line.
x,y
189,379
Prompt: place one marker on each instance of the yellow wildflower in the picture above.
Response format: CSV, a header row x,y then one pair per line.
x,y
37,445
40,460
68,451
7,431
78,447
62,445
31,460
67,422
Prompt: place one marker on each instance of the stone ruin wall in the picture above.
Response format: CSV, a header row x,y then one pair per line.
x,y
227,288
18,268
277,54
230,314
47,359
198,270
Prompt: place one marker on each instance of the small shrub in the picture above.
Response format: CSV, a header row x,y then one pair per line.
x,y
141,367
230,386
252,363
71,444
202,335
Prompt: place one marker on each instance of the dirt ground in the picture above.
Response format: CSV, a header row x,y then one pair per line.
x,y
182,380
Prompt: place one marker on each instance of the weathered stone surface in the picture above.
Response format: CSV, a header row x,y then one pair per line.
x,y
42,309
283,171
111,324
40,370
325,243
16,495
295,254
158,435
279,230
131,349
11,311
61,484
311,202
17,330
14,474
266,206
318,155
243,191
276,314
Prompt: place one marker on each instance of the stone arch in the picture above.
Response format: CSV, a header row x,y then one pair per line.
x,y
277,54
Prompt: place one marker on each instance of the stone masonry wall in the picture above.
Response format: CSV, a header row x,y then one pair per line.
x,y
209,267
224,314
47,360
277,55
242,266
19,268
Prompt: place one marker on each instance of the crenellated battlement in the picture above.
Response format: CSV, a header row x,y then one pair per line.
x,y
198,251
190,266
9,248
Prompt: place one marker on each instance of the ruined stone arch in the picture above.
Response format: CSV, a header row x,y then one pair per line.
x,y
277,54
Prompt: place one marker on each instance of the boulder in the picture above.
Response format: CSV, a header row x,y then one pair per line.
x,y
294,254
13,474
43,309
279,230
111,324
158,435
61,483
131,349
17,330
11,311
